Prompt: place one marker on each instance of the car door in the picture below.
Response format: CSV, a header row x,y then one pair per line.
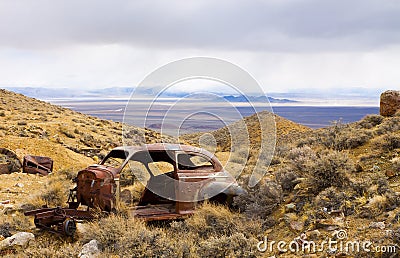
x,y
193,172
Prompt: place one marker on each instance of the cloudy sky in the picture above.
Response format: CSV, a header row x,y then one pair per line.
x,y
285,44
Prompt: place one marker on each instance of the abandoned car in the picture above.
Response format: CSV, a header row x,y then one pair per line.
x,y
176,177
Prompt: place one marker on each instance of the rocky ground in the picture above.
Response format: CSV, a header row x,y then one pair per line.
x,y
338,183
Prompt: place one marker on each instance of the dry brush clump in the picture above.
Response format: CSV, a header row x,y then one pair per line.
x,y
387,142
342,136
330,169
54,192
322,169
213,231
396,164
389,125
370,121
121,236
261,200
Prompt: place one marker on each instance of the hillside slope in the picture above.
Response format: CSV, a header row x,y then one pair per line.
x,y
31,126
250,131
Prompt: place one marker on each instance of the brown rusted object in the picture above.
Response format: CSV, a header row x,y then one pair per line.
x,y
59,220
37,165
167,195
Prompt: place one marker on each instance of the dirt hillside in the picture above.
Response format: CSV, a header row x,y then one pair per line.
x,y
31,126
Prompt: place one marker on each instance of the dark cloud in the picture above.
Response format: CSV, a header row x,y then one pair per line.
x,y
279,25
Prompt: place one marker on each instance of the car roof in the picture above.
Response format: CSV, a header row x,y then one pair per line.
x,y
163,147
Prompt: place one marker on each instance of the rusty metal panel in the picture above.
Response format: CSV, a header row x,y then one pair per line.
x,y
37,165
96,188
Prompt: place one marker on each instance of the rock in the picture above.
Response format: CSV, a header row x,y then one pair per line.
x,y
82,228
9,162
390,103
293,222
5,230
7,209
375,168
126,196
390,173
20,239
310,256
290,207
19,185
90,250
313,235
380,225
330,224
359,168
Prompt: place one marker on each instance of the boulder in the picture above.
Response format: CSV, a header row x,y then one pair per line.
x,y
9,162
390,102
90,250
19,239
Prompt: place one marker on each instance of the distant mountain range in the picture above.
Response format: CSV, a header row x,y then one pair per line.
x,y
120,92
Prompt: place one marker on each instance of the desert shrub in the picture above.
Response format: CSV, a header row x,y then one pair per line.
x,y
334,199
116,234
67,132
2,113
242,153
393,199
348,139
5,229
237,159
342,136
58,248
22,123
370,121
396,236
281,150
300,156
67,174
236,245
387,142
209,220
55,194
374,207
130,237
396,164
389,125
12,224
329,170
260,201
286,178
353,139
275,160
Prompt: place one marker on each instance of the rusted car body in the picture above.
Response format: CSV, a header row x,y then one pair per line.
x,y
176,177
37,165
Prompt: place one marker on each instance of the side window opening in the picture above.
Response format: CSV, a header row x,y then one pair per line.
x,y
160,167
193,161
115,159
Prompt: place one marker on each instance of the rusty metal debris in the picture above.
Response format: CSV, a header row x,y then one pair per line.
x,y
173,193
59,220
37,165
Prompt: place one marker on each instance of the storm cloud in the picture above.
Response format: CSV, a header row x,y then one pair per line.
x,y
284,44
288,25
